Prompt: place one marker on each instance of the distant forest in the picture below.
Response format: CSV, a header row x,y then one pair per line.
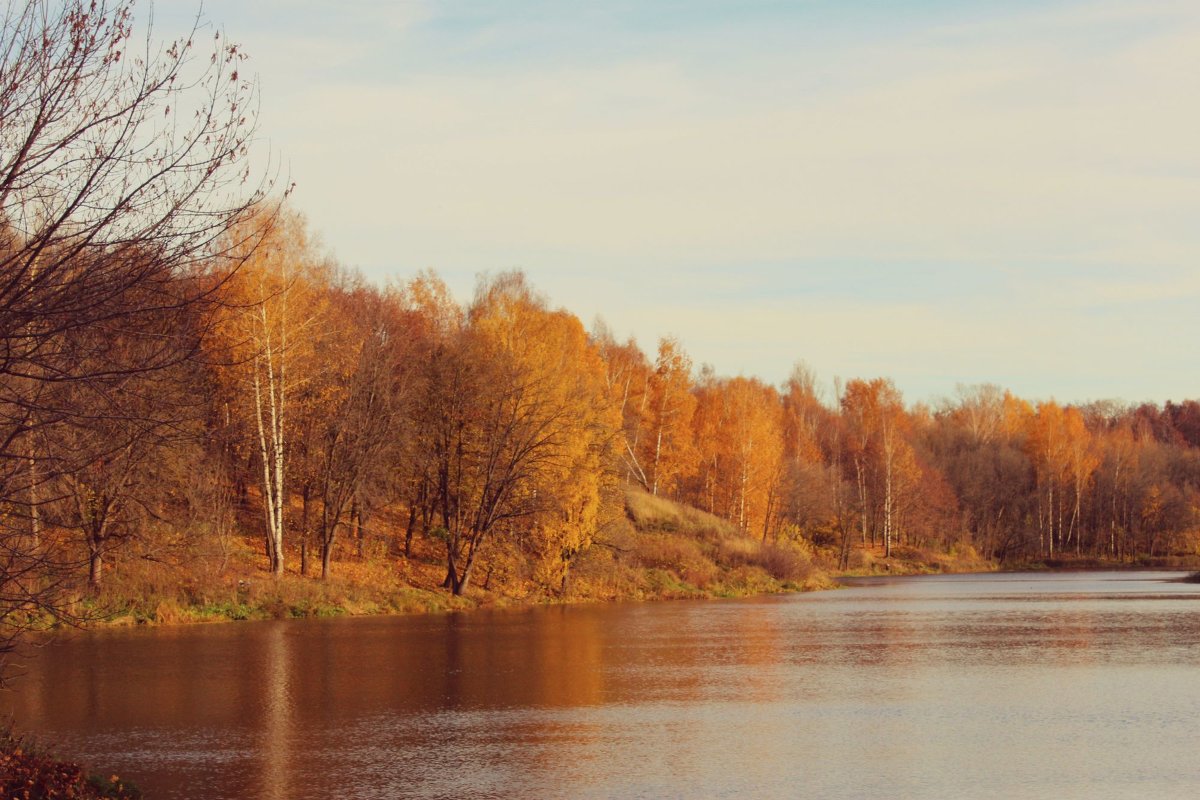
x,y
181,366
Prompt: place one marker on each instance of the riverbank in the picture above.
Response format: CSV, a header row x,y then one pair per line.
x,y
658,550
1086,563
362,708
907,560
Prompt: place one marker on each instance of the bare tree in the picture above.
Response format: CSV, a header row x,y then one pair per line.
x,y
123,162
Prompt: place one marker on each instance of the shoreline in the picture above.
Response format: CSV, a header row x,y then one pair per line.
x,y
417,601
440,603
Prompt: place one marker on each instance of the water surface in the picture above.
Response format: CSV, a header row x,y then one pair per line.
x,y
991,686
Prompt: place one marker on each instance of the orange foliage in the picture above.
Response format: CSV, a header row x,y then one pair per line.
x,y
667,451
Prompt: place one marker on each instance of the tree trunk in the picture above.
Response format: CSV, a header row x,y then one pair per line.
x,y
460,585
269,416
457,581
451,580
657,454
862,498
408,530
35,509
305,493
1050,515
357,523
887,510
95,540
329,523
96,570
326,555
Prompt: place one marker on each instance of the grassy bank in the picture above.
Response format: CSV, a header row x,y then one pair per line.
x,y
1072,563
665,550
657,550
907,560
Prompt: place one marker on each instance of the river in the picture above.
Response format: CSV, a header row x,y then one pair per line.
x,y
973,686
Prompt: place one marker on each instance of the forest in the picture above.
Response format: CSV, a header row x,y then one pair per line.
x,y
192,387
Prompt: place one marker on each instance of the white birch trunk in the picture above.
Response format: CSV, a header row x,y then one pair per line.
x,y
269,418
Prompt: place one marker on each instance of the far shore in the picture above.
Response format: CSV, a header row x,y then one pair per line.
x,y
343,598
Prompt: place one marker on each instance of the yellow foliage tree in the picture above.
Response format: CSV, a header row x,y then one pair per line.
x,y
528,454
667,451
740,435
627,376
274,305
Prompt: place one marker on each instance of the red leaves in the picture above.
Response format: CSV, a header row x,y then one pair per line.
x,y
25,776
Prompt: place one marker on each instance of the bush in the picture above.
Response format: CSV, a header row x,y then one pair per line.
x,y
24,772
737,551
784,562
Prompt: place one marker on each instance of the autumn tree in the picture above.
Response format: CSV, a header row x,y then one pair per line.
x,y
803,416
1120,451
880,454
741,441
518,455
900,471
976,443
627,378
834,446
667,452
1047,443
441,388
274,304
358,437
110,460
1082,461
708,420
804,496
122,165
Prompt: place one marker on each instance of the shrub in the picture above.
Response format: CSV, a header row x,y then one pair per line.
x,y
737,551
784,562
25,772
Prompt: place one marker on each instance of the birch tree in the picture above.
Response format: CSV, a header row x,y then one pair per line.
x,y
627,376
667,451
274,308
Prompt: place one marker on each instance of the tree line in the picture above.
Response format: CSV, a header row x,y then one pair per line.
x,y
315,400
1016,480
181,364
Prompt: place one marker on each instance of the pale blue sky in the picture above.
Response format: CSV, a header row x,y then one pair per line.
x,y
939,192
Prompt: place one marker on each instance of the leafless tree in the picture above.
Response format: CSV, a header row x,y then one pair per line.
x,y
124,160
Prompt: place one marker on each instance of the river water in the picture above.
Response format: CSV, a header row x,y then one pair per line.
x,y
976,686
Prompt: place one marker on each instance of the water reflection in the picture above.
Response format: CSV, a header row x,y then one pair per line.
x,y
277,712
982,686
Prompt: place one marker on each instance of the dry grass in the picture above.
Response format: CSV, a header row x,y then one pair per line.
x,y
909,560
650,513
27,772
684,548
137,590
660,549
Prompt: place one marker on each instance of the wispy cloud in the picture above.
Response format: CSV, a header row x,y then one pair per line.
x,y
607,149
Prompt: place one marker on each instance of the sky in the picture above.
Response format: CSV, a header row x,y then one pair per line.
x,y
940,192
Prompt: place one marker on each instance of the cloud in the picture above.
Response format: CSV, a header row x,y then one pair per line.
x,y
1051,149
1010,152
